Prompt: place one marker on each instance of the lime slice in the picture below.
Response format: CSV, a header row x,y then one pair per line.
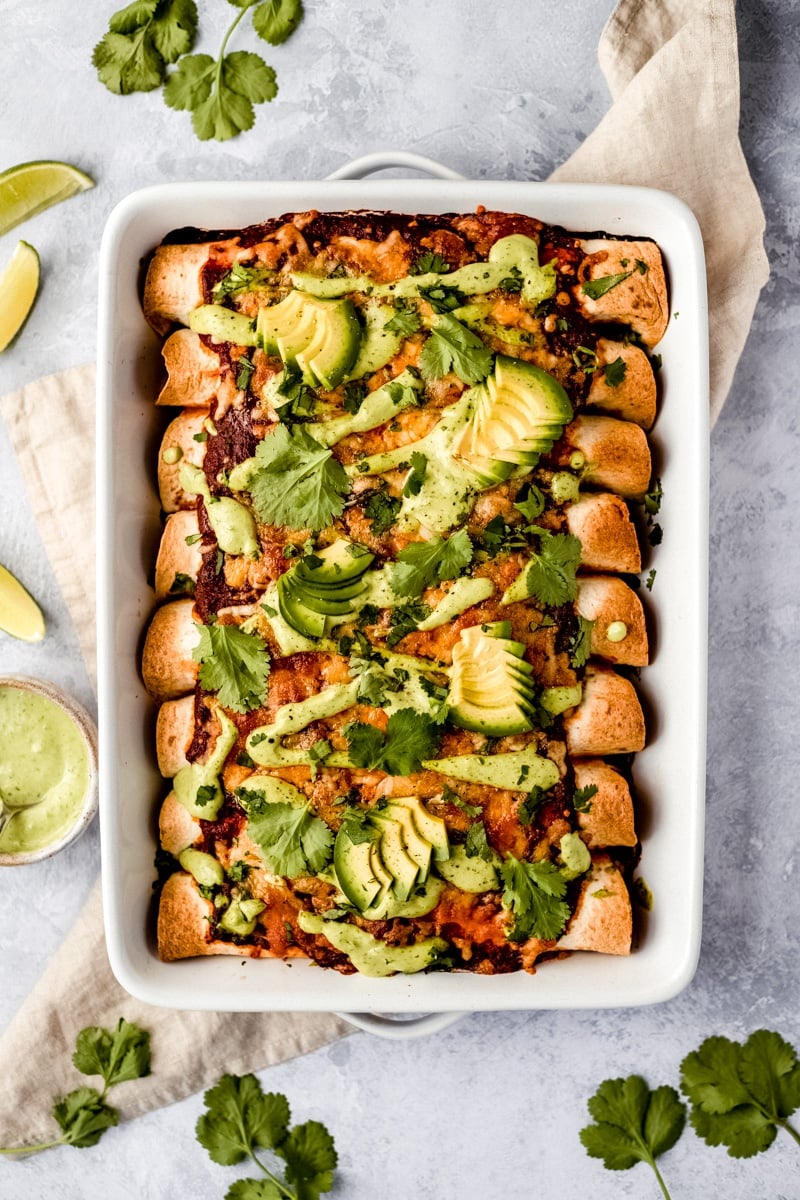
x,y
19,284
20,615
27,189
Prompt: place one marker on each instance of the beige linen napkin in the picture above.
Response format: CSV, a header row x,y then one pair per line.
x,y
672,69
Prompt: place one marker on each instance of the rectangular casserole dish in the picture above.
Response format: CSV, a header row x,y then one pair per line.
x,y
668,774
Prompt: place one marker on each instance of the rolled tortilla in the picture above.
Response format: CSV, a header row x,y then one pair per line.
x,y
608,818
193,371
180,435
184,923
168,669
634,397
606,532
617,454
177,829
175,556
609,718
614,607
640,299
174,733
174,283
603,919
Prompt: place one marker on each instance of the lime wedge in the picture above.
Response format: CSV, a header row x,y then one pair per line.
x,y
20,615
27,189
19,284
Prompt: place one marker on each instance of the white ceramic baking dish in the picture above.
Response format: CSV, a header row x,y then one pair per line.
x,y
669,775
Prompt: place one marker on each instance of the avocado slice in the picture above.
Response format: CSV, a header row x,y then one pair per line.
x,y
520,411
423,900
355,871
396,858
520,769
378,344
321,336
223,325
416,845
431,829
341,562
296,613
491,689
368,954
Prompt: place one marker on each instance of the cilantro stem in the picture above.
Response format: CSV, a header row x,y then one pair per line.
x,y
661,1183
33,1149
790,1129
225,40
281,1187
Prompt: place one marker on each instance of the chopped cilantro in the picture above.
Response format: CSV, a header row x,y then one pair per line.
x,y
532,506
206,793
595,288
581,798
651,578
477,844
580,644
653,498
528,808
453,347
614,372
192,538
381,510
441,298
355,393
241,279
298,399
404,620
406,319
202,436
585,359
655,535
416,476
238,871
451,797
182,585
429,263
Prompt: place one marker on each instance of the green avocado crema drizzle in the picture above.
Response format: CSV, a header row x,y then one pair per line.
x,y
233,524
44,770
197,786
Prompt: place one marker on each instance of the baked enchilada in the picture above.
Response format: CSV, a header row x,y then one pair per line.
x,y
396,636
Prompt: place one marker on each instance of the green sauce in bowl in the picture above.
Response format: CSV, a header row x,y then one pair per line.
x,y
47,770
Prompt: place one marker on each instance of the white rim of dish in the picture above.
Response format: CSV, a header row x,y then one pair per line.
x,y
79,716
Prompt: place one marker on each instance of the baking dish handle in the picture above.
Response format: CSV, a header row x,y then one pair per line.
x,y
400,1029
368,164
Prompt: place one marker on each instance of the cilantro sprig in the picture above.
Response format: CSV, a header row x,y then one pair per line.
x,y
241,1120
117,1055
298,482
142,39
234,664
551,573
453,347
633,1124
424,564
292,840
741,1095
410,738
533,893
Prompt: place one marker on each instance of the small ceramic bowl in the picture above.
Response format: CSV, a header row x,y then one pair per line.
x,y
88,730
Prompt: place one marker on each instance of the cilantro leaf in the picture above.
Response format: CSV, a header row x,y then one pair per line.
x,y
134,15
310,1159
424,564
244,373
118,1056
595,288
477,844
741,1095
357,825
174,28
254,1189
633,1124
234,664
551,574
429,263
651,578
410,737
355,393
416,476
404,620
240,1118
84,1117
298,482
653,498
240,279
580,644
292,840
381,510
614,372
453,347
533,505
533,894
581,798
142,38
528,808
220,96
442,299
276,20
406,319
